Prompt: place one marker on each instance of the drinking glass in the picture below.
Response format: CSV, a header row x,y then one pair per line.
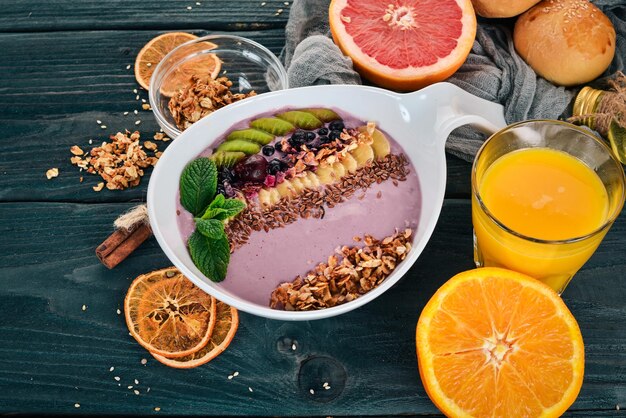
x,y
552,261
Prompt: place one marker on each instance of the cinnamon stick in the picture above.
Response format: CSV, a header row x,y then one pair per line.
x,y
121,243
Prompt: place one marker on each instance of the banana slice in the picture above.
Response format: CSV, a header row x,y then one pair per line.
x,y
326,175
286,189
380,144
363,154
339,170
349,163
274,196
297,184
315,181
264,198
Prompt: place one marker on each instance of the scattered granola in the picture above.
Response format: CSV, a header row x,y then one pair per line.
x,y
313,203
350,273
120,162
201,97
52,173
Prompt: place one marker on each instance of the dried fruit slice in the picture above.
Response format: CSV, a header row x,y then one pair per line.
x,y
224,331
200,65
154,51
349,163
240,145
273,126
495,343
363,154
227,158
253,135
303,120
167,314
380,143
325,115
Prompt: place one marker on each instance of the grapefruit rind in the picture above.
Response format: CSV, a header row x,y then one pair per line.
x,y
408,78
425,352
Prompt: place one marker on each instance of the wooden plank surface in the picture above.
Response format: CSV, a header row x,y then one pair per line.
x,y
54,87
51,15
54,354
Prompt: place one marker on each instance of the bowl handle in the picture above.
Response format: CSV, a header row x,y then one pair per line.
x,y
455,107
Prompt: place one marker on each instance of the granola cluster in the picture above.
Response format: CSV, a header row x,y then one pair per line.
x,y
201,97
350,273
120,162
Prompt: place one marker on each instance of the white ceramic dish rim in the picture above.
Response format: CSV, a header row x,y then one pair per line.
x,y
443,105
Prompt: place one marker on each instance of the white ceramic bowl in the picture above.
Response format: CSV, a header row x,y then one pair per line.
x,y
420,122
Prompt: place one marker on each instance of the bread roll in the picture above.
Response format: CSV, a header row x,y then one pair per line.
x,y
502,8
568,42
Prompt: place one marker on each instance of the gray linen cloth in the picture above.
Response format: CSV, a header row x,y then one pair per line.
x,y
492,71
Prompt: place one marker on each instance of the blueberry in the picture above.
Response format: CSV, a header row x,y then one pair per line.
x,y
336,125
220,189
299,135
310,136
323,131
226,174
274,166
334,134
278,147
268,150
324,140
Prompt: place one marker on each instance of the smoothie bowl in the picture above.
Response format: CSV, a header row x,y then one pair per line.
x,y
307,203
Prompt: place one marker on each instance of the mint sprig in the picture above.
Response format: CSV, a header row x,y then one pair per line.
x,y
208,245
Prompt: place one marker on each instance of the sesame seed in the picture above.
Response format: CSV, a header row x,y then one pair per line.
x,y
263,4
111,369
198,3
144,361
136,392
103,126
293,347
311,391
136,381
84,308
135,111
250,389
99,122
156,408
125,113
149,64
90,141
76,405
137,122
135,91
147,390
327,387
235,374
137,97
117,378
286,3
143,100
130,386
119,312
230,377
188,7
128,67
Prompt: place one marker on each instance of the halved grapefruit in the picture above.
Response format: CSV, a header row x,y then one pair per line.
x,y
404,44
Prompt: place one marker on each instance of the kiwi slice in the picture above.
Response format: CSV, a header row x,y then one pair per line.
x,y
240,145
325,115
227,158
274,126
252,135
303,120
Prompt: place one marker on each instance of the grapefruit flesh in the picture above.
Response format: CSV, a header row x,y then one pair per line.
x,y
405,44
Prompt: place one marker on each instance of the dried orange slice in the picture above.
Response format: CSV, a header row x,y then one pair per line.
x,y
169,315
496,343
200,65
225,328
154,51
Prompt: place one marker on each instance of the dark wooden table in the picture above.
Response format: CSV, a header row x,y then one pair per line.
x,y
63,344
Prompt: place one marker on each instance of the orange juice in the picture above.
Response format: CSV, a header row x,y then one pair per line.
x,y
540,194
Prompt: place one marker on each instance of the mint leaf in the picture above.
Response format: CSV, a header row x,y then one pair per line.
x,y
231,207
198,183
210,228
211,256
212,213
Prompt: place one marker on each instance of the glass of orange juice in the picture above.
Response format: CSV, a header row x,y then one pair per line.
x,y
544,195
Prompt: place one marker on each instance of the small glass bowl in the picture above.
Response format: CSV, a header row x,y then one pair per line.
x,y
248,64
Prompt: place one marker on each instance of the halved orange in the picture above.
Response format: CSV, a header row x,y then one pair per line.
x,y
495,343
223,333
169,315
154,51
